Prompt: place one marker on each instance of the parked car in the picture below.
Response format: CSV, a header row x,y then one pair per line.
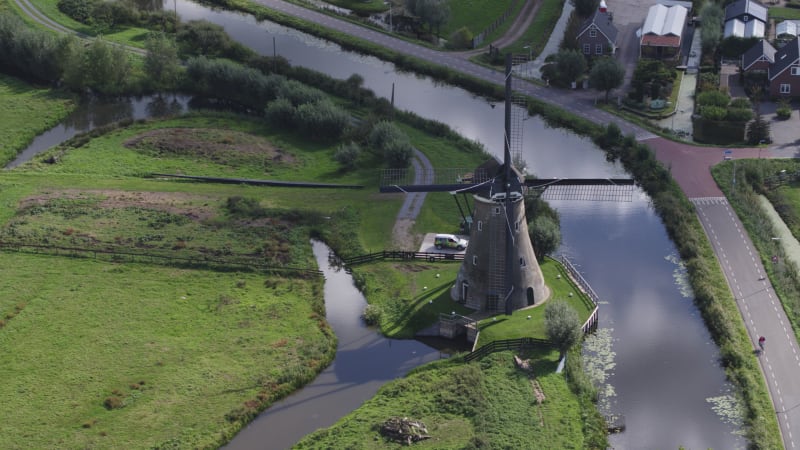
x,y
449,241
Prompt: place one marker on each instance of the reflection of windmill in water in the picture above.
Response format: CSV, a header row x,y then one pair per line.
x,y
500,271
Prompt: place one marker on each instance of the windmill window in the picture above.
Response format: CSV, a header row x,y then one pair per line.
x,y
522,262
474,260
516,226
480,225
745,18
497,210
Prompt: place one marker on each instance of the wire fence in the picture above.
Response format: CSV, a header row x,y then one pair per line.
x,y
220,263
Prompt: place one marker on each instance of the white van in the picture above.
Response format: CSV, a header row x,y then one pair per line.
x,y
449,241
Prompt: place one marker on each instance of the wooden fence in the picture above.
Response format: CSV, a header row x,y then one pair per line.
x,y
478,39
591,323
506,344
401,255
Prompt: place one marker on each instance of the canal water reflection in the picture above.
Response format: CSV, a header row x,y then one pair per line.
x,y
365,361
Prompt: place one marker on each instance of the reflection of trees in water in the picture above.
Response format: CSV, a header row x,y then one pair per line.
x,y
163,106
95,113
148,5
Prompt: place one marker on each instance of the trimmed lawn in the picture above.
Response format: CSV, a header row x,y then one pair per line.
x,y
519,325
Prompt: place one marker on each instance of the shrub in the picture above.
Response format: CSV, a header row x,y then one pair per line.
x,y
741,103
372,315
244,207
398,154
739,114
347,155
783,112
713,112
460,39
80,10
713,98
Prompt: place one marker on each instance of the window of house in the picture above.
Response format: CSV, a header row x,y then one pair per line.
x,y
592,33
587,49
796,70
598,49
786,89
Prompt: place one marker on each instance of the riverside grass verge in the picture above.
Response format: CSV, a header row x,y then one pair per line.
x,y
25,112
485,403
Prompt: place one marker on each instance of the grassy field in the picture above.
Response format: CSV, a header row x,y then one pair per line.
x,y
489,404
92,348
26,111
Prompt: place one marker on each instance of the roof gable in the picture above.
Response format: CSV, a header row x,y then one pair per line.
x,y
603,22
761,51
749,8
785,57
663,20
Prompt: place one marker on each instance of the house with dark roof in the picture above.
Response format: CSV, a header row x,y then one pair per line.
x,y
662,31
745,19
784,72
758,58
597,35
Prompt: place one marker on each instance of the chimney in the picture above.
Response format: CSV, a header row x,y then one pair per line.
x,y
603,7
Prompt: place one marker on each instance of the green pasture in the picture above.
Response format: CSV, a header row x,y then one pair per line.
x,y
102,355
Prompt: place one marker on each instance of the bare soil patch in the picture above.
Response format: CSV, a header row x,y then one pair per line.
x,y
217,145
195,207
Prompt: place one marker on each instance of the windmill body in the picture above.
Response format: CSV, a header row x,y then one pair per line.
x,y
484,282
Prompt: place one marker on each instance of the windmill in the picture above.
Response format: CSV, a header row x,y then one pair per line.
x,y
500,271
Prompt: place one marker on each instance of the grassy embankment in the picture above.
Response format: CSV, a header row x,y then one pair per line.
x,y
489,404
25,112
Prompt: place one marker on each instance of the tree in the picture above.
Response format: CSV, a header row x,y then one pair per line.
x,y
606,74
570,64
433,12
711,31
758,130
106,67
585,8
562,325
161,63
545,234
